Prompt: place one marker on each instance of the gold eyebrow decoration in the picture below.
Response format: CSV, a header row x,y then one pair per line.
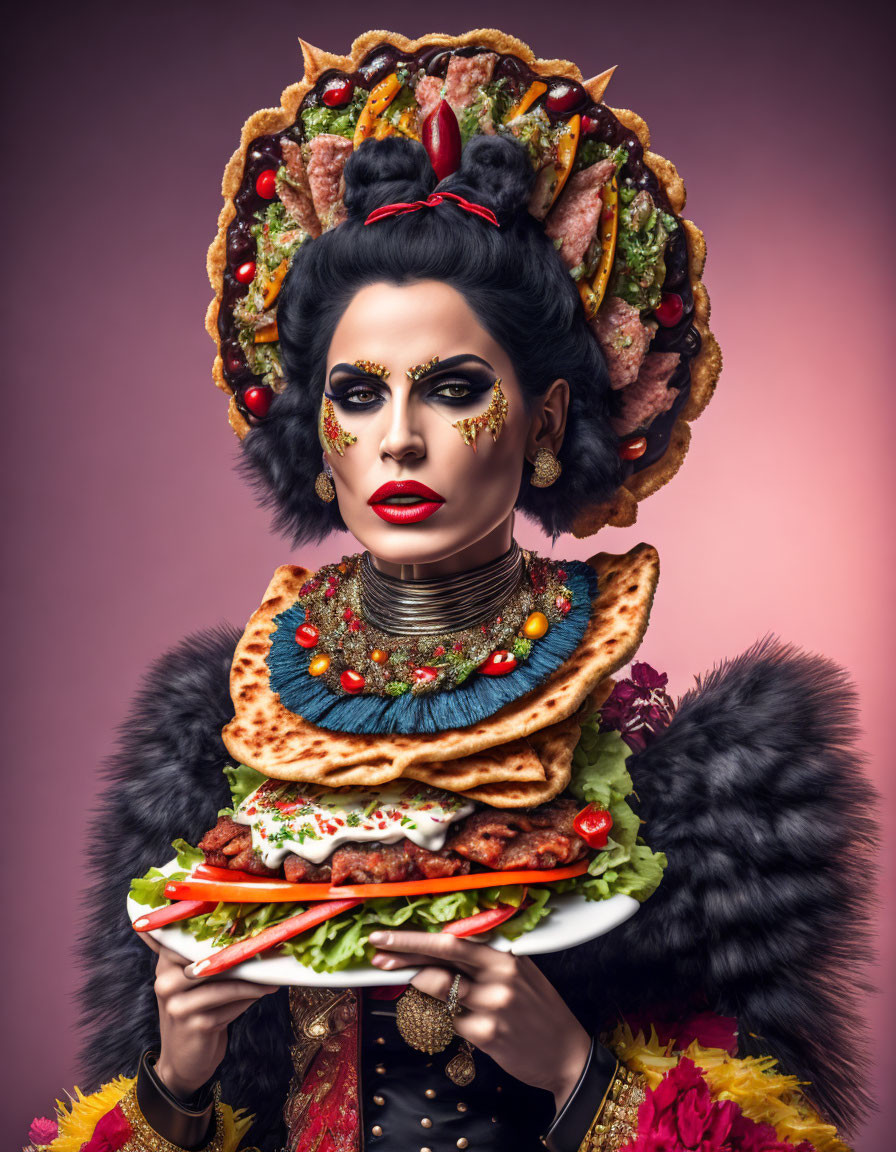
x,y
419,370
492,418
333,436
372,368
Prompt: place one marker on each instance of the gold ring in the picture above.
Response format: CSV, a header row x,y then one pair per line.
x,y
451,1002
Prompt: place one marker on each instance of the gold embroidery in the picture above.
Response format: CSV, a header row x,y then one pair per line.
x,y
492,418
419,370
146,1139
616,1122
333,436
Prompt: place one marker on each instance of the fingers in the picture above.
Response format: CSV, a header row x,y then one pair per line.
x,y
437,982
211,1000
425,947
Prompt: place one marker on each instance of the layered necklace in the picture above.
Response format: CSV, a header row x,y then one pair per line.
x,y
443,603
369,633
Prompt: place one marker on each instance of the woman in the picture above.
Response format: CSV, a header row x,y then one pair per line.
x,y
439,352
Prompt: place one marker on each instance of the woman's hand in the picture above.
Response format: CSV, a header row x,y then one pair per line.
x,y
509,1010
193,1019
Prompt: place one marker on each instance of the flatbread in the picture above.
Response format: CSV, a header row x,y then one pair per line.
x,y
280,744
554,746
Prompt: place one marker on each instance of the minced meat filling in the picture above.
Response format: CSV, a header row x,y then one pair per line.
x,y
499,839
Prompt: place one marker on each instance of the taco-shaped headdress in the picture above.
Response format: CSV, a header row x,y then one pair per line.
x,y
610,205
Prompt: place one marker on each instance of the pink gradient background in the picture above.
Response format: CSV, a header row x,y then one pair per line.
x,y
127,527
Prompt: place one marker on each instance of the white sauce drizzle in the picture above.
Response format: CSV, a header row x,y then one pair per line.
x,y
312,821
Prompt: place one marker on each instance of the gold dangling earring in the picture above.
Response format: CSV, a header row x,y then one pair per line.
x,y
547,469
323,484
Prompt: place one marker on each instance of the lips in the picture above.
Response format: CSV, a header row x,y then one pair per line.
x,y
405,502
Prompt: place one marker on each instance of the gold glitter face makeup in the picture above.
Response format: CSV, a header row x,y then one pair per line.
x,y
419,370
333,436
492,418
372,368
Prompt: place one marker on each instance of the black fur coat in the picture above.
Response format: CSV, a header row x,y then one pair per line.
x,y
755,792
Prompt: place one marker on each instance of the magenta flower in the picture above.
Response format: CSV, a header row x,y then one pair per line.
x,y
42,1131
680,1115
639,707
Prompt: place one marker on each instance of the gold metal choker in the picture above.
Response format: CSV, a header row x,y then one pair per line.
x,y
443,603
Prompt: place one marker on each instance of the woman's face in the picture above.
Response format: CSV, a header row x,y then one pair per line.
x,y
406,364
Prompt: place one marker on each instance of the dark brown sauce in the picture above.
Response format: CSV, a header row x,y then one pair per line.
x,y
265,152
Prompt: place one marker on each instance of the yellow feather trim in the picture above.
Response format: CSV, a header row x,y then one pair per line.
x,y
753,1082
76,1124
236,1124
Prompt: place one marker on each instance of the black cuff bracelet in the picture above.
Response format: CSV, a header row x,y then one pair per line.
x,y
186,1123
572,1122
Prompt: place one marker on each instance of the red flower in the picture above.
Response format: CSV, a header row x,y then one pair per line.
x,y
42,1131
679,1115
111,1133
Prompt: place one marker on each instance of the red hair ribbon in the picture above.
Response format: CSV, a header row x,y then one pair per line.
x,y
431,202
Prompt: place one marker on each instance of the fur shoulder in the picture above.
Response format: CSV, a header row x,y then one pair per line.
x,y
164,782
757,795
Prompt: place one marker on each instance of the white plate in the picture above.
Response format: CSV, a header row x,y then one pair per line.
x,y
573,920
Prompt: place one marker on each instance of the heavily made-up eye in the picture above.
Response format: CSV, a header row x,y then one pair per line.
x,y
356,396
454,390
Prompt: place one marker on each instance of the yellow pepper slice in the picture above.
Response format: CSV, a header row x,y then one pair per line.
x,y
267,335
609,227
566,154
272,288
381,96
528,98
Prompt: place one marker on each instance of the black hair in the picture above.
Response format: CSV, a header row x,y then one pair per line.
x,y
511,277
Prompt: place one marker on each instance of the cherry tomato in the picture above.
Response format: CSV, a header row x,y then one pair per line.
x,y
351,681
564,97
499,663
338,93
307,635
266,184
424,675
588,126
670,309
593,825
258,400
632,449
246,272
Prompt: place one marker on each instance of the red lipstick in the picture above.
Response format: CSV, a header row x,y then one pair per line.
x,y
405,502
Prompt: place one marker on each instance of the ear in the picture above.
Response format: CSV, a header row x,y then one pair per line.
x,y
548,422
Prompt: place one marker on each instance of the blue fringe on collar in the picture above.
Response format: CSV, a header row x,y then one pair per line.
x,y
472,701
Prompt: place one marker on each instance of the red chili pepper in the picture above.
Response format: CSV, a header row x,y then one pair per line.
x,y
181,910
483,921
270,937
593,825
441,139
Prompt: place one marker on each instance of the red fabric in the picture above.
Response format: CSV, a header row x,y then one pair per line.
x,y
386,991
431,202
330,1122
111,1133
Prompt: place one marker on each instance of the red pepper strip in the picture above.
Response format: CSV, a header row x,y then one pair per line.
x,y
212,872
270,937
182,910
484,921
246,891
278,891
462,883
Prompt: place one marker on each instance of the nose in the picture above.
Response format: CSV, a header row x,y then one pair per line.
x,y
402,440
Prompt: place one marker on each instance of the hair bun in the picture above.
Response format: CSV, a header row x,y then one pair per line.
x,y
495,172
389,171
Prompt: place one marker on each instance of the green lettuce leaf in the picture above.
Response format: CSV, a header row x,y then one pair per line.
x,y
243,781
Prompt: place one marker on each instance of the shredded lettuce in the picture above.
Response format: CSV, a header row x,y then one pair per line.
x,y
334,121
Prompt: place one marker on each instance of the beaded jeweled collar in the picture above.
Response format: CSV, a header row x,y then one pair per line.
x,y
331,665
